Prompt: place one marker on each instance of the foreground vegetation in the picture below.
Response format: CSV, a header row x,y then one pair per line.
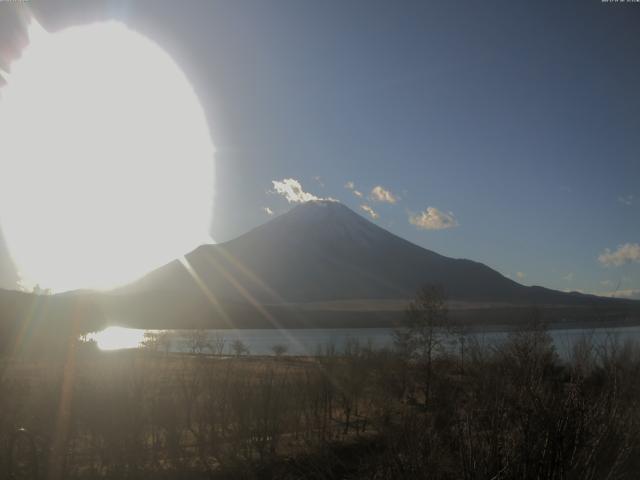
x,y
418,411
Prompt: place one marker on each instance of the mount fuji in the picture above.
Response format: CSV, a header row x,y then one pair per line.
x,y
323,264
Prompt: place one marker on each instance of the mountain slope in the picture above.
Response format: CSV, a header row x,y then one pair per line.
x,y
319,265
321,251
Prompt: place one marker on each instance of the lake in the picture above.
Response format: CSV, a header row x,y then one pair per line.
x,y
311,341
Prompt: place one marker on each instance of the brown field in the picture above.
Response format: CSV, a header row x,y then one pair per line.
x,y
516,411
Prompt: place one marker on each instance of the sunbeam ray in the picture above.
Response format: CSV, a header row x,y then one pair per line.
x,y
206,291
260,308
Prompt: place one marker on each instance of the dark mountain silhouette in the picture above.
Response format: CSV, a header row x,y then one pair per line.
x,y
322,250
320,264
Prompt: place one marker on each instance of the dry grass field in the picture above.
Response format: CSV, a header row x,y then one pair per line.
x,y
513,411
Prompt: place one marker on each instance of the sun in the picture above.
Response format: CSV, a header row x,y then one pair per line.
x,y
106,160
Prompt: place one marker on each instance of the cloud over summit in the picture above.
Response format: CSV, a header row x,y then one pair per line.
x,y
433,219
291,189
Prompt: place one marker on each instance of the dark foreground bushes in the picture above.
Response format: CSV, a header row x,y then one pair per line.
x,y
514,410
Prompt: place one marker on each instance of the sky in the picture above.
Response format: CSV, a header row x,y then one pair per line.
x,y
499,131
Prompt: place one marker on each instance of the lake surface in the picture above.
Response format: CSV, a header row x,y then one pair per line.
x,y
313,341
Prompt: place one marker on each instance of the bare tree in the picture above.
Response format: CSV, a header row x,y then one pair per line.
x,y
217,344
279,350
422,332
157,341
198,341
460,333
239,348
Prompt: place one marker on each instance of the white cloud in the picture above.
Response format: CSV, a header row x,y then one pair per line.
x,y
606,283
631,294
291,189
352,186
627,253
381,194
568,277
370,211
267,210
520,275
433,219
626,199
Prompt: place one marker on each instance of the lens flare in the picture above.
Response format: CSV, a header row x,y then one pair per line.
x,y
106,161
117,338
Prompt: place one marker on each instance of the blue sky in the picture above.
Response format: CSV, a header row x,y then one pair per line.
x,y
519,120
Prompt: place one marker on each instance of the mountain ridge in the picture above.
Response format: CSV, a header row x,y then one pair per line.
x,y
324,251
319,265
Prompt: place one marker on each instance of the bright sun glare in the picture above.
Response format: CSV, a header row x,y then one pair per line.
x,y
116,338
106,162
